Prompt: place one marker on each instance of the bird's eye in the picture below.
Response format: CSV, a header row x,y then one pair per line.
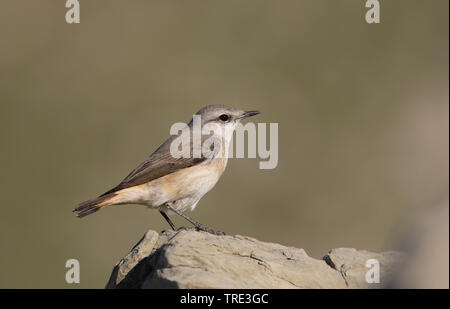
x,y
224,117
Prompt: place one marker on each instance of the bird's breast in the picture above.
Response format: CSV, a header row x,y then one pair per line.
x,y
188,184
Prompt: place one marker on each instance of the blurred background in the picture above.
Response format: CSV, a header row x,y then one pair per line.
x,y
362,112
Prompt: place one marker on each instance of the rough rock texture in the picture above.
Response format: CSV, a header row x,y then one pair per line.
x,y
191,259
351,264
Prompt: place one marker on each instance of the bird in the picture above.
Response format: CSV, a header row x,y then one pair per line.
x,y
172,183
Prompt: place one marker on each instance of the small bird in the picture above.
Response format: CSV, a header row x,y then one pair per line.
x,y
174,184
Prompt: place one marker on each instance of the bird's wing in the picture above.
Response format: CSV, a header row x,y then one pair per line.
x,y
158,164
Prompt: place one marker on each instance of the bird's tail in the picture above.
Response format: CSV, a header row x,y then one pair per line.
x,y
91,206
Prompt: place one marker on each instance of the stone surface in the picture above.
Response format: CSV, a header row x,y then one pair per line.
x,y
192,259
353,267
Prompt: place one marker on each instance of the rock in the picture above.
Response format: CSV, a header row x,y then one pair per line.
x,y
352,264
191,259
131,270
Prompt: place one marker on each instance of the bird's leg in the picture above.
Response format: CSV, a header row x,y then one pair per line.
x,y
197,225
168,220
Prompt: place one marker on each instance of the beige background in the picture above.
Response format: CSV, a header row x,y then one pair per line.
x,y
362,112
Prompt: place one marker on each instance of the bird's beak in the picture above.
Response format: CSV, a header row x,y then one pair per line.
x,y
249,114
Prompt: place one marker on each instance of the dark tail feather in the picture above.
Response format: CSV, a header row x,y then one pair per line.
x,y
91,206
88,211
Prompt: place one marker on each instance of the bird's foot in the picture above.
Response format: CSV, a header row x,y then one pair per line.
x,y
208,230
185,228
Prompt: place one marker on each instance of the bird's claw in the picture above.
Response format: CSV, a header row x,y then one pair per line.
x,y
184,228
209,230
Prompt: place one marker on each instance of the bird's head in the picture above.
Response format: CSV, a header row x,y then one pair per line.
x,y
226,117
